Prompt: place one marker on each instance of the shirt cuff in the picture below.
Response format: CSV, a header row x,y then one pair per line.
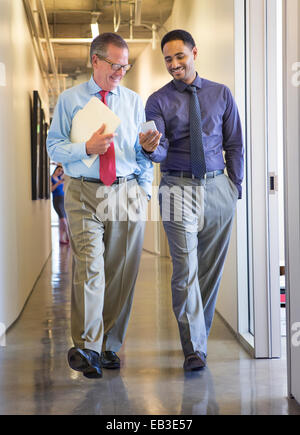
x,y
147,187
147,154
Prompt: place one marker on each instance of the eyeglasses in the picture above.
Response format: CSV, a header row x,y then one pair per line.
x,y
116,66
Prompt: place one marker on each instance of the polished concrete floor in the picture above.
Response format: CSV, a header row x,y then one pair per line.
x,y
35,377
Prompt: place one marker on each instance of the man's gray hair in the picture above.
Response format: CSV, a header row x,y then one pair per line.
x,y
100,43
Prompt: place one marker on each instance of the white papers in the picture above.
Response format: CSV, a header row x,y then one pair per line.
x,y
88,120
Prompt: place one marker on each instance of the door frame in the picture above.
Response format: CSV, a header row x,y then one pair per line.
x,y
261,206
291,49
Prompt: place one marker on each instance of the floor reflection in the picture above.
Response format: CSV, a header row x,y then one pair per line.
x,y
199,394
35,377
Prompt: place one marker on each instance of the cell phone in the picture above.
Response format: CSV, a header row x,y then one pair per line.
x,y
149,125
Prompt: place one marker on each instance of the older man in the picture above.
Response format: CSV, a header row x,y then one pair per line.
x,y
106,248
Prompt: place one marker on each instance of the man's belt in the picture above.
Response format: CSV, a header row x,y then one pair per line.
x,y
119,180
185,174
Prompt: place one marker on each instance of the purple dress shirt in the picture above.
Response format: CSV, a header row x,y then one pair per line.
x,y
169,108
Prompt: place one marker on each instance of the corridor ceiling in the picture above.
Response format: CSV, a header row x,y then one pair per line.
x,y
69,23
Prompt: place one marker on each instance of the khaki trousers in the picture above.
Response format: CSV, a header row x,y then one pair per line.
x,y
106,228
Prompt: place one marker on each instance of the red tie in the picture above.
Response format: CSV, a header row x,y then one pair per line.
x,y
107,160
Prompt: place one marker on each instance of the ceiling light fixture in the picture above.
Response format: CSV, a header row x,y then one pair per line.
x,y
95,30
94,24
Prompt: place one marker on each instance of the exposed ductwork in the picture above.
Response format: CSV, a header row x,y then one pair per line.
x,y
67,49
89,40
117,15
135,5
44,20
138,12
37,42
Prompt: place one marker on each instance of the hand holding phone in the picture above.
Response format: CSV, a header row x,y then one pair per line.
x,y
149,136
148,126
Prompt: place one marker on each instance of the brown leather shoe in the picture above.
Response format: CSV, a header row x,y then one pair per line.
x,y
194,361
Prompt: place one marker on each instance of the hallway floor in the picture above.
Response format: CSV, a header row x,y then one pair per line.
x,y
35,377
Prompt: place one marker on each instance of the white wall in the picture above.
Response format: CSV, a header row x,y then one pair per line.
x,y
212,25
25,238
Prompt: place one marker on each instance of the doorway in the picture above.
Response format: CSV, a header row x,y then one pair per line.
x,y
260,217
291,13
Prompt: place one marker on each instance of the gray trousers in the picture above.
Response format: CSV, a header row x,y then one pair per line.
x,y
106,243
197,217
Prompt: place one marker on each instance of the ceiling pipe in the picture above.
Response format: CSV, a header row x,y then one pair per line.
x,y
89,41
117,15
154,33
37,43
138,12
44,20
62,78
68,11
131,21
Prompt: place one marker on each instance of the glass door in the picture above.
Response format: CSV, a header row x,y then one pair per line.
x,y
291,46
258,268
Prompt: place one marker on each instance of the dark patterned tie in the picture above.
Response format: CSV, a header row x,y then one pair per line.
x,y
197,152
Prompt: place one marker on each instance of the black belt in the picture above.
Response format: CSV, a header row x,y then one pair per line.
x,y
118,180
185,174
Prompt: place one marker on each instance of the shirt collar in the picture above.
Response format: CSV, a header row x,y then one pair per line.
x,y
181,86
95,89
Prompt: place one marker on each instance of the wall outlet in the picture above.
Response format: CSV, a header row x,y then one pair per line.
x,y
2,334
2,74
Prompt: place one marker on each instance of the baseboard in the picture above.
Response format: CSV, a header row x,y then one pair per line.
x,y
245,340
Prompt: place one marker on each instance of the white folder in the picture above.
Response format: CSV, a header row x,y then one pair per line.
x,y
88,120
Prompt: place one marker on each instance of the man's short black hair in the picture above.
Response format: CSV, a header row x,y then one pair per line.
x,y
178,35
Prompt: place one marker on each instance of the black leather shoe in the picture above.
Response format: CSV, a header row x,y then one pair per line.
x,y
110,360
194,361
86,361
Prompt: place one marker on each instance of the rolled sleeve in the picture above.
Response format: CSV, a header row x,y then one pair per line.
x,y
145,177
153,113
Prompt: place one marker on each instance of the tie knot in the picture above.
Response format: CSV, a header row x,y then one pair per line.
x,y
191,88
103,95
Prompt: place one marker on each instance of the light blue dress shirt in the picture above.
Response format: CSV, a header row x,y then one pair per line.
x,y
128,106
